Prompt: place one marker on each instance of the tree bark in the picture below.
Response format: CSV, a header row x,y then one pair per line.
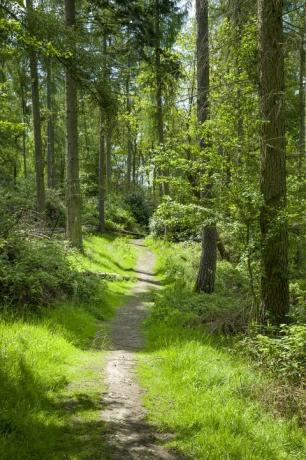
x,y
108,153
50,127
74,228
274,284
39,158
102,173
302,96
129,131
207,270
159,94
23,91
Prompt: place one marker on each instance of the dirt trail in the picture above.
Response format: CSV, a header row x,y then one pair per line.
x,y
129,436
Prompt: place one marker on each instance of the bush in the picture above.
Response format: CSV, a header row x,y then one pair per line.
x,y
33,272
140,207
176,222
284,355
55,210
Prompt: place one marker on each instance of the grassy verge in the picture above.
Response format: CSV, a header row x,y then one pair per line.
x,y
51,367
200,390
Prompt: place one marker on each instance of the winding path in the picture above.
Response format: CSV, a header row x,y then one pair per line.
x,y
129,435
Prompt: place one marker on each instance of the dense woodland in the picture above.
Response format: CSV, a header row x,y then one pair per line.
x,y
182,122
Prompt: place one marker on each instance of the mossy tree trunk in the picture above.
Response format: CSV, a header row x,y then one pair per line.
x,y
39,158
74,228
207,270
274,286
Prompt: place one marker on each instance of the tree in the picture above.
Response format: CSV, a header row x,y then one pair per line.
x,y
274,284
207,270
50,126
39,159
74,228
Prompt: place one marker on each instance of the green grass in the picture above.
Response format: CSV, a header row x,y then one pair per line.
x,y
51,366
200,390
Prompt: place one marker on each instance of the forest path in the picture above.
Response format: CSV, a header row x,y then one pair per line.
x,y
128,434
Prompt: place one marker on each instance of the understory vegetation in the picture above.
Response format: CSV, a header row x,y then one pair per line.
x,y
184,122
51,358
224,388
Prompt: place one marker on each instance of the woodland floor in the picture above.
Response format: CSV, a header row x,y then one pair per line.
x,y
128,434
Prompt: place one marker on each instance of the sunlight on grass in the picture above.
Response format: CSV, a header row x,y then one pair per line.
x,y
197,387
204,396
51,367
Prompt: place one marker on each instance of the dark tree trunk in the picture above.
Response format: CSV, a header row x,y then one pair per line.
x,y
102,173
159,94
302,96
274,286
23,91
129,131
39,159
50,127
74,228
109,153
207,270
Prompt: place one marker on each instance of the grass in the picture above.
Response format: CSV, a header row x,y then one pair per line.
x,y
51,368
203,393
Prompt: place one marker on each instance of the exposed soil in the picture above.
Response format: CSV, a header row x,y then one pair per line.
x,y
129,435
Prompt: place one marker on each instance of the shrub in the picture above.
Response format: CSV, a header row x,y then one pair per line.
x,y
176,222
284,355
55,210
33,272
140,207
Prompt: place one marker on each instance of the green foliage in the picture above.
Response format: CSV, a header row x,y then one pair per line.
x,y
139,206
284,355
51,365
208,397
225,311
117,212
36,271
177,222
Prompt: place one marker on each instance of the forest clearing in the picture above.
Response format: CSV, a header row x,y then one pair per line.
x,y
152,230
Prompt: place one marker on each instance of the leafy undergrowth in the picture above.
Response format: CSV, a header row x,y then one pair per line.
x,y
201,390
51,368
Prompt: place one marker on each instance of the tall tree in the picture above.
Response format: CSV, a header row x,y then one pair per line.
x,y
39,158
302,93
207,270
74,228
274,284
50,126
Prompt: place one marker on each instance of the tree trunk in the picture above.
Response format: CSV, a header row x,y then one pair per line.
x,y
39,159
159,92
108,153
50,127
23,91
102,173
74,228
274,285
302,96
129,132
207,270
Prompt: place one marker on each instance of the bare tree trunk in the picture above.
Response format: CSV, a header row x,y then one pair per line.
x,y
299,252
74,228
207,270
102,173
159,92
274,285
129,132
50,127
108,153
23,109
39,159
302,96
